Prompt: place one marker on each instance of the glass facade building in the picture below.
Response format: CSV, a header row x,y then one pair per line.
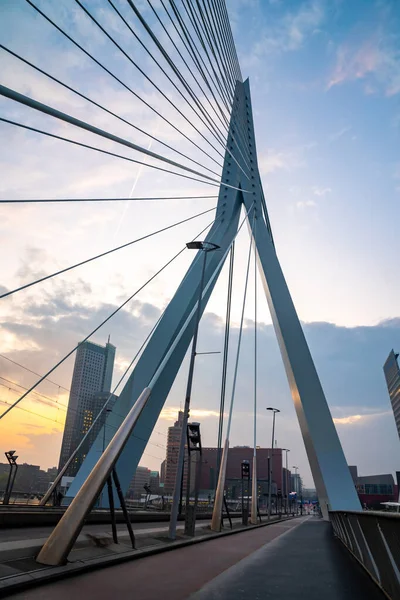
x,y
91,384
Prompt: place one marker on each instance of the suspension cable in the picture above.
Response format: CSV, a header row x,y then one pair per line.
x,y
34,372
223,120
192,19
178,73
228,429
76,143
119,80
225,357
149,79
219,33
188,7
196,62
225,145
60,362
228,29
46,398
110,112
196,28
210,121
138,162
195,55
189,41
37,200
53,112
84,262
208,33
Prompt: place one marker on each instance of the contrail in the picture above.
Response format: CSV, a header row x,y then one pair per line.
x,y
132,190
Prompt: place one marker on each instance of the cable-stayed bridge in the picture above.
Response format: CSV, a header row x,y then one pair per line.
x,y
177,63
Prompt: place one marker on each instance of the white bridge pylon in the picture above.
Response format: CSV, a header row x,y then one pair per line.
x,y
331,474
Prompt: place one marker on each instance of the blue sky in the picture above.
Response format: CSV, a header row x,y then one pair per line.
x,y
325,83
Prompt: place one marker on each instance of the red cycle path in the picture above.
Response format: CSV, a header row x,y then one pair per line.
x,y
172,575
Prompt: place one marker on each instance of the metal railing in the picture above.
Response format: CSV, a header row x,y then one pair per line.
x,y
374,540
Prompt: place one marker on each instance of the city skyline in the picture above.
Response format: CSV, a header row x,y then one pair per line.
x,y
331,186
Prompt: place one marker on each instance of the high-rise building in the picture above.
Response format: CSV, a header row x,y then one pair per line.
x,y
171,461
297,484
91,383
162,472
392,376
141,478
155,482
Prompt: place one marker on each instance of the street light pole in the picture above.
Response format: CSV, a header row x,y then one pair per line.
x,y
274,411
12,461
286,480
296,485
205,247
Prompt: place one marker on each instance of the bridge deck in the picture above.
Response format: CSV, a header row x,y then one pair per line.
x,y
299,558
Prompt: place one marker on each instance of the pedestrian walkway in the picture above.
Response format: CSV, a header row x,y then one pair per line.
x,y
306,562
293,559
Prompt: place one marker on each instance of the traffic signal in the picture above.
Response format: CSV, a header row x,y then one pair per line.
x,y
193,434
245,469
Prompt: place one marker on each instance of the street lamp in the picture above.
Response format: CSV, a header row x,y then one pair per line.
x,y
287,480
12,461
274,411
205,247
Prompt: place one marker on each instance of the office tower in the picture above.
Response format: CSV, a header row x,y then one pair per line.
x,y
174,437
140,479
392,376
162,472
91,384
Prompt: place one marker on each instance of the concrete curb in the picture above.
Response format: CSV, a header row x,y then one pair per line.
x,y
42,575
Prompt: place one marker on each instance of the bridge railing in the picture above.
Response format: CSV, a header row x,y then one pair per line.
x,y
374,540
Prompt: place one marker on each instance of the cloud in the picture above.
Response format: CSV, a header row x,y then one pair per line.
x,y
375,60
360,419
338,134
290,158
319,191
347,420
170,413
306,204
273,161
291,31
